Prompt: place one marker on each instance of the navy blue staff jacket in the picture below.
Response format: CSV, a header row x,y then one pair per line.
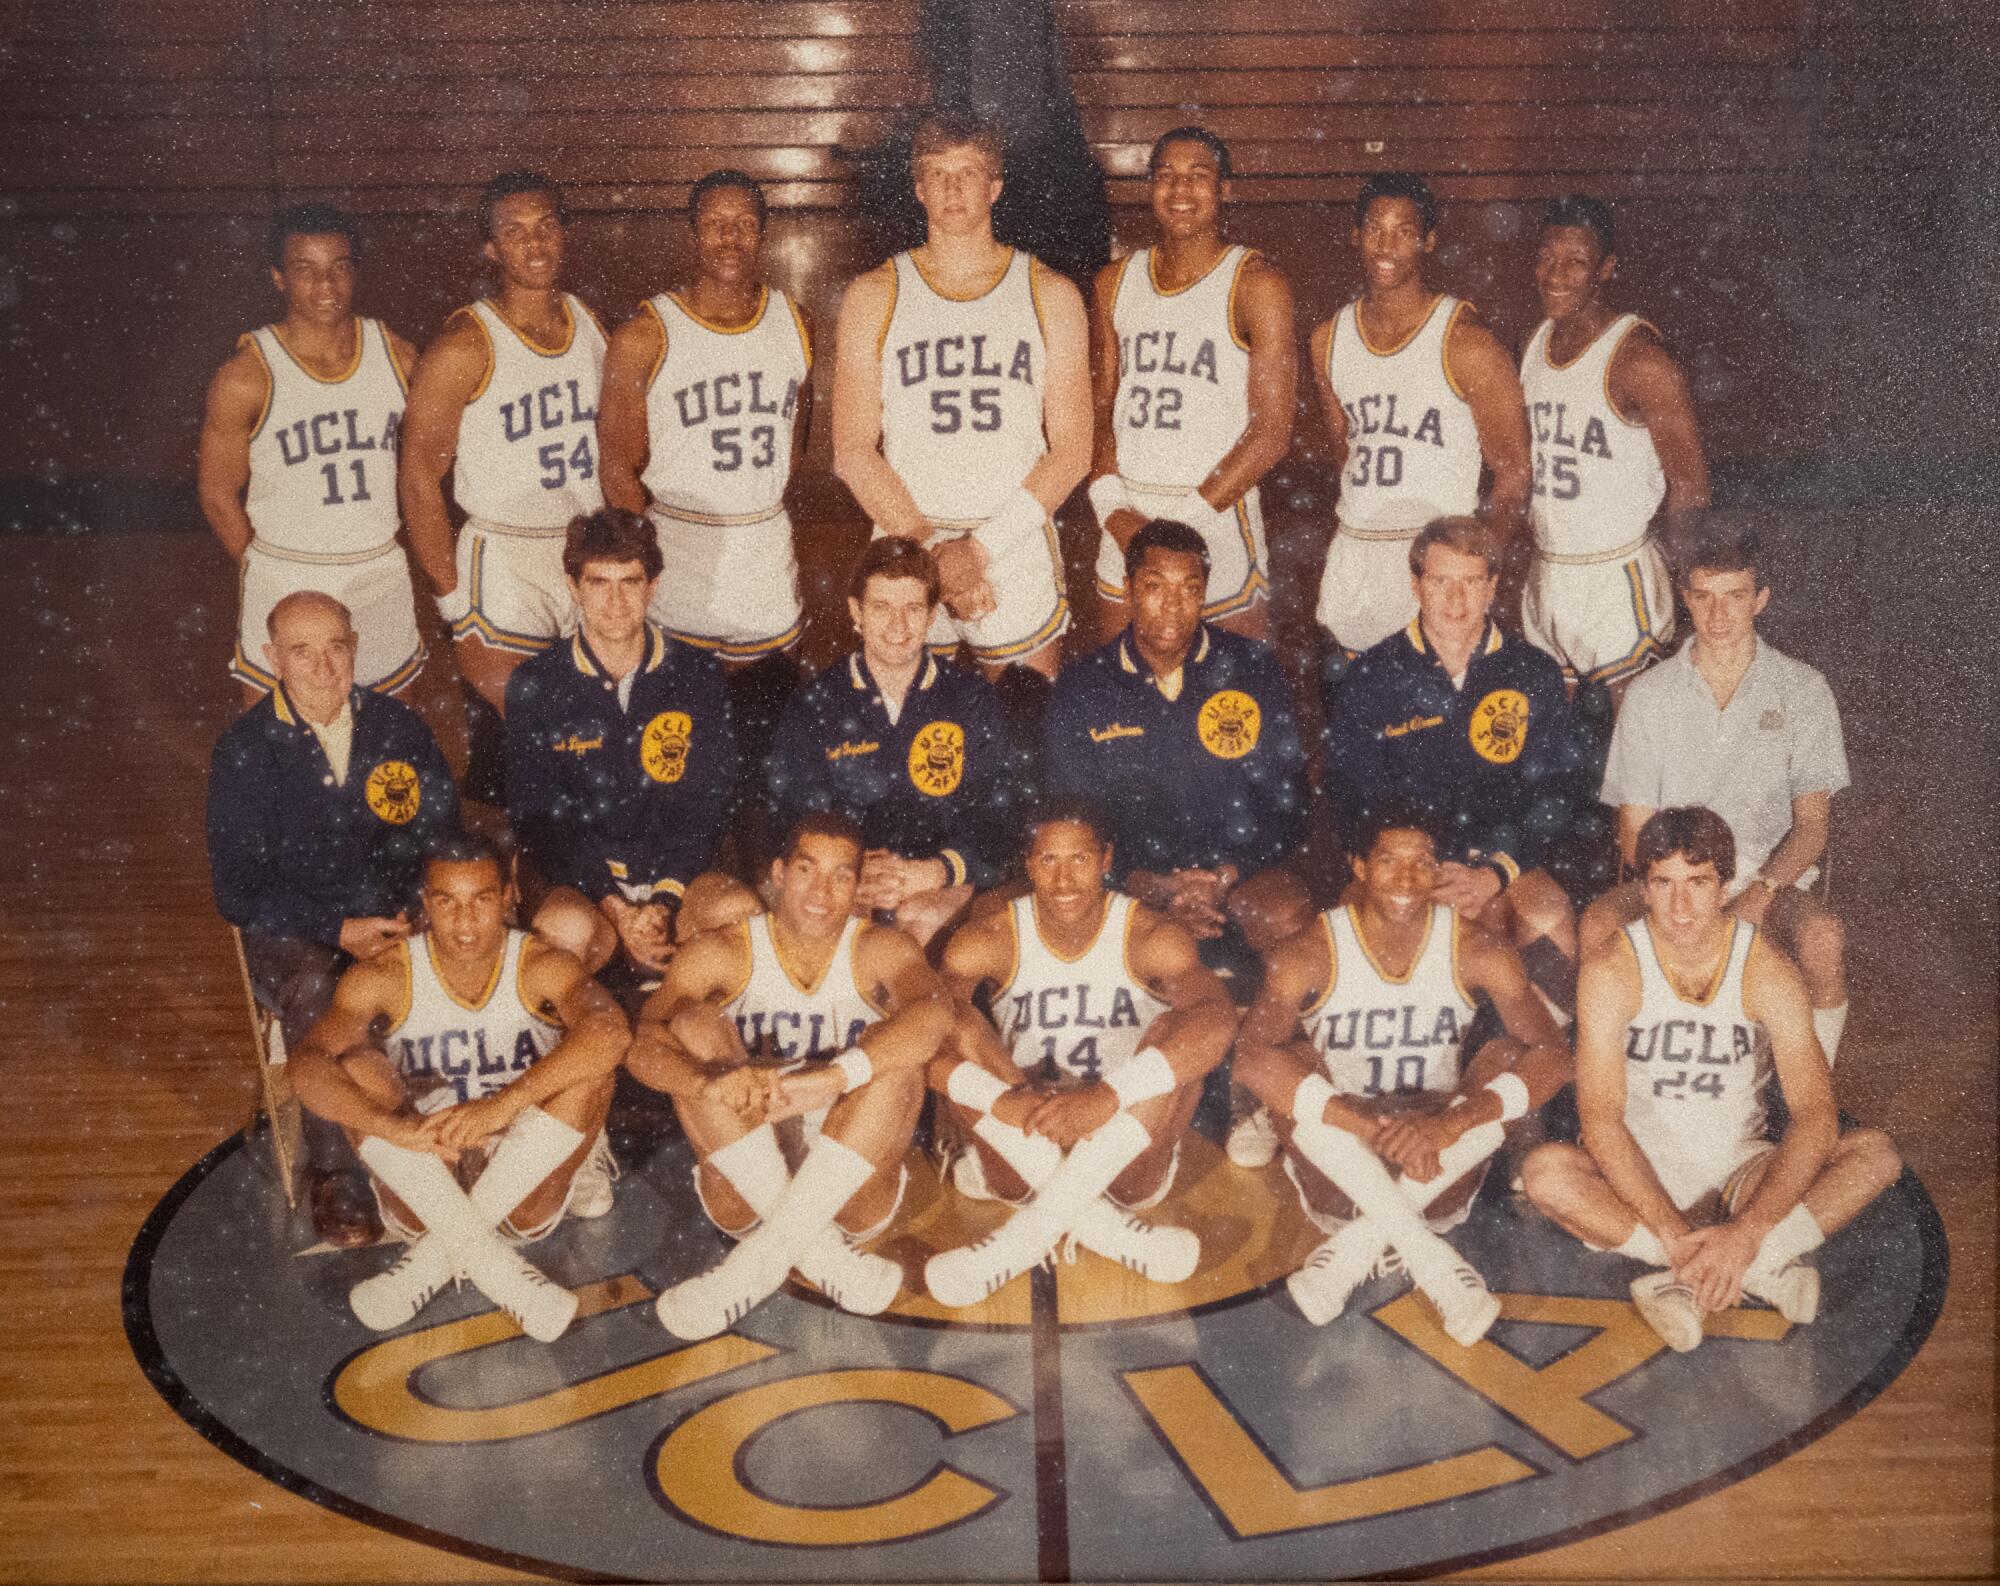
x,y
627,798
939,782
1213,776
1493,761
292,852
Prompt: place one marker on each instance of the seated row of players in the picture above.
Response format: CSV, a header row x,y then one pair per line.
x,y
965,379
472,1067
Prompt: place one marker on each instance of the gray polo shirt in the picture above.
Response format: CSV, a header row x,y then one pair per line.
x,y
1778,740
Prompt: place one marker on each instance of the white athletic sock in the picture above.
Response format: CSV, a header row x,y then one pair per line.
x,y
535,1144
1828,1024
1454,1162
1033,1157
1074,1187
1359,1174
1796,1233
424,1184
755,1168
826,1181
1642,1244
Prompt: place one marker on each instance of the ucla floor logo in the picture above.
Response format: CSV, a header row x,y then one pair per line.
x,y
1082,1424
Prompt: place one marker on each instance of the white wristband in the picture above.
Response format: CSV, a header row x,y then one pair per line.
x,y
856,1065
1017,526
1107,495
1310,1099
1513,1093
972,1087
1141,1077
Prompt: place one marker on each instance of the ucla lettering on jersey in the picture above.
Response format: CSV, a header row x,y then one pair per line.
x,y
1379,1034
1681,1053
475,1047
719,410
1081,1014
962,390
323,455
1412,448
527,441
1598,479
782,1016
1183,374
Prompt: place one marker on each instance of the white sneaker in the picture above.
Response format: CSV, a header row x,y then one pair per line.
x,y
1253,1140
1668,1307
543,1307
855,1280
962,1277
1340,1265
590,1189
1465,1305
718,1299
396,1294
1159,1251
1792,1291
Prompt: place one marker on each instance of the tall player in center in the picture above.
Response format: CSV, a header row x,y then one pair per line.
x,y
1195,377
961,405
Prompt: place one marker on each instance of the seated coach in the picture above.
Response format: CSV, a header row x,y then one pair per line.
x,y
322,800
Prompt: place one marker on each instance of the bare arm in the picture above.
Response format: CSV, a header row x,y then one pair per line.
x,y
1066,411
684,1042
1264,320
921,1012
1200,1020
1607,1000
1805,843
857,407
1271,1052
1647,387
236,400
623,440
1329,399
367,992
1630,818
450,372
1480,367
1104,376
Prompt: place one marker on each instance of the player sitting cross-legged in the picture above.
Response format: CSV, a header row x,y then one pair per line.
x,y
1107,1022
805,1014
1358,1045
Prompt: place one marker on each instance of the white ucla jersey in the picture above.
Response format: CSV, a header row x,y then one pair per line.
x,y
1084,1014
477,1047
719,411
1183,376
1694,1071
1412,448
780,1016
1597,478
323,456
1376,1033
527,442
962,390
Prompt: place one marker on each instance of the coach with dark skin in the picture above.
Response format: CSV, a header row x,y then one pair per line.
x,y
322,800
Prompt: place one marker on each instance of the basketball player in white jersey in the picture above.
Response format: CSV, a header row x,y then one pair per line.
x,y
1195,375
706,403
494,1046
961,406
1418,397
1678,1016
1614,436
297,466
506,398
1357,1044
810,1019
1075,1108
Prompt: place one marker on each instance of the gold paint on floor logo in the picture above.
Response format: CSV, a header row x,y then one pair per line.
x,y
663,751
937,758
394,793
1229,724
1499,726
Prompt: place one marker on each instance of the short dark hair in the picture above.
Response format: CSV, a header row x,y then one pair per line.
x,y
715,181
1398,184
461,847
312,220
1580,209
1071,809
952,127
1398,812
1192,134
1164,534
822,823
1717,547
1698,835
1467,536
611,534
892,556
511,184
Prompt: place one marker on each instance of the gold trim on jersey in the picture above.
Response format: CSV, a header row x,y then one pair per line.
x,y
1367,952
402,949
805,336
529,342
353,363
985,291
715,520
1103,914
1153,274
1717,976
889,314
1457,939
1035,267
1118,286
1610,401
1332,966
750,324
1125,946
1235,285
742,928
1013,918
486,336
395,363
1444,351
778,953
659,358
1369,347
543,1015
249,339
492,980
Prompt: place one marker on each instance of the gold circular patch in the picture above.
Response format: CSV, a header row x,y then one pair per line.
x,y
1229,724
393,792
937,758
1499,726
663,750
